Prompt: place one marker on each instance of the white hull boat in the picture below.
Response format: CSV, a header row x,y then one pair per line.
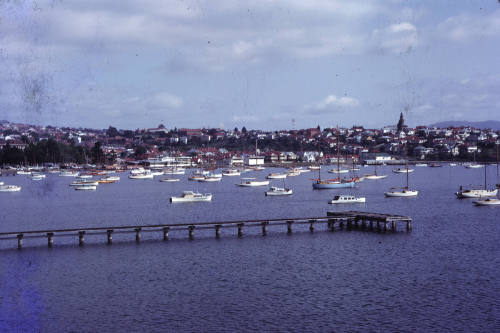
x,y
403,193
254,183
476,193
190,196
68,174
86,188
174,172
338,171
374,176
402,170
487,202
84,183
342,199
230,173
276,176
10,188
273,191
473,166
209,179
141,176
169,180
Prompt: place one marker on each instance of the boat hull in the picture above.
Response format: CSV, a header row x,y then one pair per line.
x,y
487,202
476,194
397,194
324,186
254,184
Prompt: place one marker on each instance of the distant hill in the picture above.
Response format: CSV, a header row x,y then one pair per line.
x,y
493,124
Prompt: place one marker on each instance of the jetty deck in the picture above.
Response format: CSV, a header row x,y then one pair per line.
x,y
349,219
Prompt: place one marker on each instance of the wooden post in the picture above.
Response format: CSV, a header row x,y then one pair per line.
x,y
356,223
240,229
264,228
371,225
81,239
217,231
20,241
331,224
363,224
138,234
341,224
165,233
349,224
109,232
393,228
289,226
311,225
408,225
378,226
50,238
191,232
385,226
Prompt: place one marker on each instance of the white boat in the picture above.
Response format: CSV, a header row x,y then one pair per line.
x,y
190,196
476,193
474,166
303,170
421,164
86,188
403,193
10,188
374,176
209,179
273,190
276,176
146,175
137,171
111,178
487,202
23,172
338,171
156,173
214,175
314,167
249,182
174,171
1,183
169,180
341,199
84,176
453,164
196,177
84,183
293,173
68,174
37,176
231,172
402,170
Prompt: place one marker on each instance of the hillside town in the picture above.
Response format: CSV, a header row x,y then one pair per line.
x,y
25,144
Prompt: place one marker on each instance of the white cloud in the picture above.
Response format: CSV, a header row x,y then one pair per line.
x,y
396,38
165,100
244,119
332,102
466,27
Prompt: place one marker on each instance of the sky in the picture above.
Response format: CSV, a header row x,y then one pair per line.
x,y
275,64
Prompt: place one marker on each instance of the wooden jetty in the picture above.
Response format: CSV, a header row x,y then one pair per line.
x,y
349,219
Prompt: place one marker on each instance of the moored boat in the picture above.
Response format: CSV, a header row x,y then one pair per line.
x,y
402,170
86,188
190,196
250,182
274,191
169,180
276,176
405,192
10,188
341,199
487,202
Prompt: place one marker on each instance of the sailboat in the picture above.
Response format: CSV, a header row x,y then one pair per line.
x,y
374,175
405,191
319,183
473,165
477,193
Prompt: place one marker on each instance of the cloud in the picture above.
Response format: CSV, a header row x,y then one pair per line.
x,y
396,38
466,27
165,100
332,102
244,119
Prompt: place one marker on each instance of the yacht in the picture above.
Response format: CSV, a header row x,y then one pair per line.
x,y
86,188
169,180
314,167
404,193
402,170
209,179
374,175
421,164
473,166
487,202
338,171
37,176
144,175
476,193
341,199
109,179
273,190
156,173
190,196
293,173
250,182
10,188
231,172
84,183
68,174
276,176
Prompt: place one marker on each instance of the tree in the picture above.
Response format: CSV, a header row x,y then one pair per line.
x,y
244,130
97,153
140,151
318,128
112,131
236,130
161,126
401,122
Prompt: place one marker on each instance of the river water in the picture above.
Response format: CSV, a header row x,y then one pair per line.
x,y
444,276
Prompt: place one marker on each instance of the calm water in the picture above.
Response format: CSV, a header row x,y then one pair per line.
x,y
443,276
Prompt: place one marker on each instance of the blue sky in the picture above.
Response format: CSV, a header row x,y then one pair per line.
x,y
259,64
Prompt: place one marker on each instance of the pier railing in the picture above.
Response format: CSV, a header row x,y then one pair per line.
x,y
349,219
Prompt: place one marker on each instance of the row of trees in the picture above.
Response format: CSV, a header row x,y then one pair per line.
x,y
51,151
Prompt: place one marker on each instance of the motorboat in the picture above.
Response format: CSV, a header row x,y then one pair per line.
x,y
276,176
476,193
402,170
37,176
209,179
144,175
250,182
273,190
231,172
169,180
156,173
421,164
321,184
85,176
405,192
473,166
338,171
86,188
453,164
341,199
108,180
190,196
196,177
23,172
174,171
314,167
487,202
84,183
68,174
435,165
10,188
293,173
137,171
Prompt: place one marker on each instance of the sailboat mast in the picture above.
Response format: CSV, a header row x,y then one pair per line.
x,y
485,176
407,165
338,151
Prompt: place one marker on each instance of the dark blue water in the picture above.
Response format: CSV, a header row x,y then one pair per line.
x,y
443,276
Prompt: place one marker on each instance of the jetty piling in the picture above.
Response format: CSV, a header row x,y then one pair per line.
x,y
351,218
